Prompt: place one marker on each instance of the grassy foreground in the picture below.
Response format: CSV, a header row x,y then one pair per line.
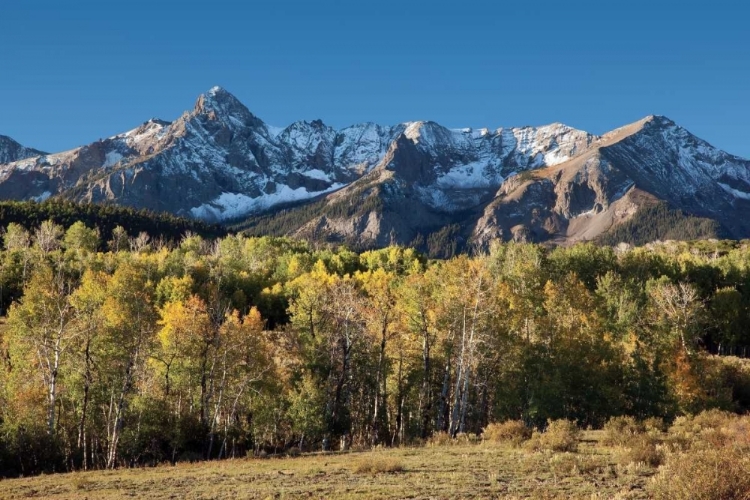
x,y
451,471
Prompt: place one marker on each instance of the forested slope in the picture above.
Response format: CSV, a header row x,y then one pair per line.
x,y
105,217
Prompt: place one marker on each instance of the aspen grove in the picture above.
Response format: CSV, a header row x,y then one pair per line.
x,y
129,352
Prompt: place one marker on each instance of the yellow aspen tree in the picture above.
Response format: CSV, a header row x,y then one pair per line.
x,y
40,325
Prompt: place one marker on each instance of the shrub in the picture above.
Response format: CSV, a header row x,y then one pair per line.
x,y
440,439
514,432
710,429
655,424
445,439
466,438
378,465
709,474
294,451
643,449
563,464
713,419
570,464
738,432
694,425
619,431
560,435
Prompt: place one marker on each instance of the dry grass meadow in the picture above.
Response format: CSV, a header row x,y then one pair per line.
x,y
464,470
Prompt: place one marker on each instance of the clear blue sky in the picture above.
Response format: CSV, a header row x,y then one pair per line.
x,y
77,71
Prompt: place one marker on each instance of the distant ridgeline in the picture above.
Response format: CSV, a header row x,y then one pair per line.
x,y
30,215
654,222
415,183
650,223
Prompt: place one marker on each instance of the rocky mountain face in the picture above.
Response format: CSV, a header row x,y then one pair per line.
x,y
549,184
371,185
215,162
11,151
644,163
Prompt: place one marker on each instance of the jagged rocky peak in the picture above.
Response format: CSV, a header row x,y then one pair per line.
x,y
11,151
156,122
546,145
647,124
218,161
653,120
309,145
429,134
304,127
660,120
148,130
360,147
220,104
581,185
216,98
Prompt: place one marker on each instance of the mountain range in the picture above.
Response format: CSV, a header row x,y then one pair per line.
x,y
412,183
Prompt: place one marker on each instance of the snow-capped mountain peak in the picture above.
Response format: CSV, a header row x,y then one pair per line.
x,y
219,104
11,150
219,161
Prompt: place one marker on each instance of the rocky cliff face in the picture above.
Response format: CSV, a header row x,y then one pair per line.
x,y
550,184
216,162
373,185
11,151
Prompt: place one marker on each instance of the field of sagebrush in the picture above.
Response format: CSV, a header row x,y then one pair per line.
x,y
697,457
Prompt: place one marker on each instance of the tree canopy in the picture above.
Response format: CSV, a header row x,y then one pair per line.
x,y
117,351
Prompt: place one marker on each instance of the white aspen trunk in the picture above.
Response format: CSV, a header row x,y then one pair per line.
x,y
456,399
375,425
425,403
399,402
217,406
444,393
471,351
52,395
120,410
85,458
464,402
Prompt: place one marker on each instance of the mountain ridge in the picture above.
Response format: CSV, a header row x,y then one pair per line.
x,y
220,162
11,150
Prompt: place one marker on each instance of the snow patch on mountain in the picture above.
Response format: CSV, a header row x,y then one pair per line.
x,y
317,174
477,174
735,192
549,145
474,133
364,145
413,131
111,159
233,205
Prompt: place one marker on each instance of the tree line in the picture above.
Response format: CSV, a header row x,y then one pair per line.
x,y
105,217
124,352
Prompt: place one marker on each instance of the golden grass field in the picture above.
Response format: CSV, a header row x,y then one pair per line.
x,y
482,470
